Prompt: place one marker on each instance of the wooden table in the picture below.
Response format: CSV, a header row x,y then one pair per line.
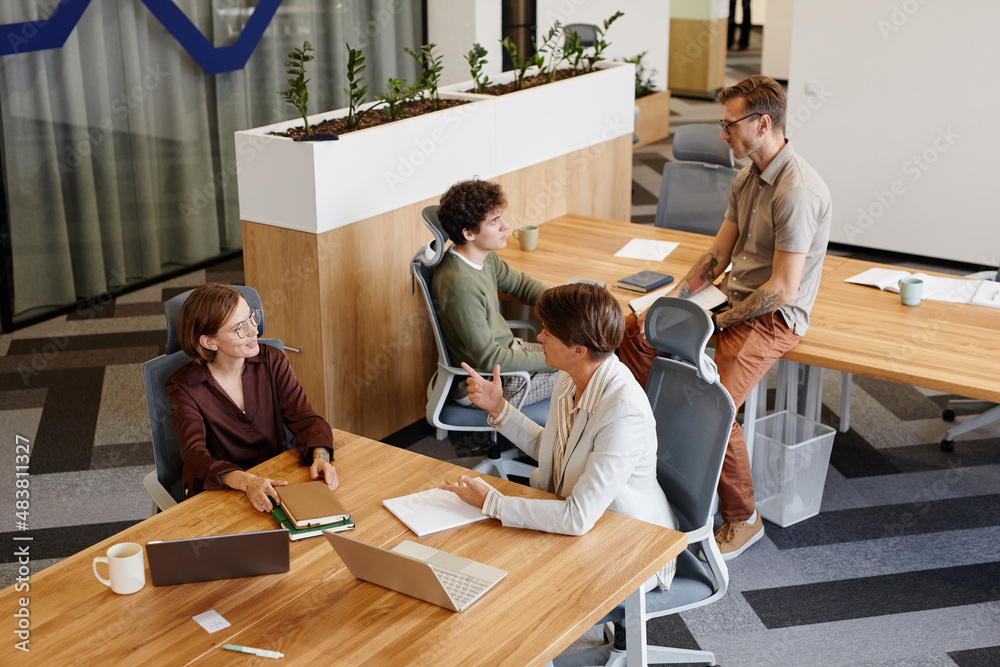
x,y
855,329
557,586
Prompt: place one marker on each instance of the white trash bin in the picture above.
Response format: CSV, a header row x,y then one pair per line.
x,y
790,458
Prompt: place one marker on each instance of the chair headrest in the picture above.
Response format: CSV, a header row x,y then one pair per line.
x,y
681,328
433,252
586,31
700,143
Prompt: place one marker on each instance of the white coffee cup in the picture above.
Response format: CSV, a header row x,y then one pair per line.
x,y
125,567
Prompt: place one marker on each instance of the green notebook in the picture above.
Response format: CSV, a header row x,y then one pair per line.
x,y
296,534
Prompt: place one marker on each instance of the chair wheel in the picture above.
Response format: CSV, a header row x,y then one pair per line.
x,y
947,445
948,415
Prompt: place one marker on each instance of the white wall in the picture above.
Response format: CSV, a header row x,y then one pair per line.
x,y
776,50
455,25
903,125
644,27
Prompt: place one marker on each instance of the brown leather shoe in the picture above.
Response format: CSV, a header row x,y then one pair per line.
x,y
735,538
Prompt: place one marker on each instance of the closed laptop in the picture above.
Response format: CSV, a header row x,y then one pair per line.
x,y
218,557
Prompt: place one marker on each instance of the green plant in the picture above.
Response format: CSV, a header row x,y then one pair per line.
x,y
574,50
643,82
355,91
431,74
398,92
552,52
476,58
597,55
297,95
520,65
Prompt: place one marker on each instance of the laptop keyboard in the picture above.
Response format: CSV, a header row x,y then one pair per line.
x,y
462,588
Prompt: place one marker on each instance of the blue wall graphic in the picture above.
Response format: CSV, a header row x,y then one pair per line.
x,y
53,32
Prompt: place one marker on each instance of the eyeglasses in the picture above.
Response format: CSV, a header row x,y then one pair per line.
x,y
726,126
243,328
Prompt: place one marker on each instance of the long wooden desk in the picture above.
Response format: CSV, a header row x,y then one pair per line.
x,y
856,329
557,586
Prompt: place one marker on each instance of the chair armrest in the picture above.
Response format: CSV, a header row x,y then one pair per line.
x,y
523,324
156,491
524,375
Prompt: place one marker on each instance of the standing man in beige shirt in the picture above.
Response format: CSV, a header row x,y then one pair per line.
x,y
775,234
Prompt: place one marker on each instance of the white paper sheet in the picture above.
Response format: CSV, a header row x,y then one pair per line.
x,y
646,249
433,510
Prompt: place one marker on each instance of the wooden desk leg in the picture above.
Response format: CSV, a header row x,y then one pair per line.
x,y
635,629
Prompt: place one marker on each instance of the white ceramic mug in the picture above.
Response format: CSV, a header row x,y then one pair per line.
x,y
125,567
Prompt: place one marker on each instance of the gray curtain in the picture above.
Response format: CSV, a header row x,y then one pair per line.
x,y
119,149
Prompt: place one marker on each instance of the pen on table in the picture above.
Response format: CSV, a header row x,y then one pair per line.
x,y
263,653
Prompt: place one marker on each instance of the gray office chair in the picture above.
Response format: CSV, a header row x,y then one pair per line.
x,y
164,485
694,192
988,417
443,413
693,417
699,142
586,31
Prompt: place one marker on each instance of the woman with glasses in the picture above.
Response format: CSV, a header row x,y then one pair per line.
x,y
233,400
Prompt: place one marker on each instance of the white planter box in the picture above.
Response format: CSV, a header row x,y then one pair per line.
x,y
318,186
545,122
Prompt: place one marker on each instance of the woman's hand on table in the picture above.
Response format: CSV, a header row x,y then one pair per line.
x,y
472,490
486,394
259,490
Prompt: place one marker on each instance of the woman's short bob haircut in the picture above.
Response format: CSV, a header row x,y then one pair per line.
x,y
582,314
203,314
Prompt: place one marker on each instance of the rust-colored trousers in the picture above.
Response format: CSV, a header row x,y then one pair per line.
x,y
743,354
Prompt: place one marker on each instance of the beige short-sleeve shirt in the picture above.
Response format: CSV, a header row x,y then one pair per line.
x,y
787,208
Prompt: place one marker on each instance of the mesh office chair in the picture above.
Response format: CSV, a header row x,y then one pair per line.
x,y
988,417
694,192
586,31
164,485
693,416
443,413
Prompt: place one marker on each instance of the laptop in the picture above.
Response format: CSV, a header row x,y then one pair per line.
x,y
218,557
419,571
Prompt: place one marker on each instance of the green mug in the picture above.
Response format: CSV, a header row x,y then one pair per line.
x,y
911,291
527,236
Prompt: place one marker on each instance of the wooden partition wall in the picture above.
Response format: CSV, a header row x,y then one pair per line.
x,y
342,298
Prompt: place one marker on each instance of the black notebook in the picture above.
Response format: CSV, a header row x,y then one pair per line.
x,y
645,281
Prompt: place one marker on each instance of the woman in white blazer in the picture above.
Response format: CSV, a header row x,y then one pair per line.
x,y
598,448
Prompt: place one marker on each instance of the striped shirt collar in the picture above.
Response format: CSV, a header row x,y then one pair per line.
x,y
591,398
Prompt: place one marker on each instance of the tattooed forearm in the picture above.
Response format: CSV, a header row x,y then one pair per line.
x,y
703,272
321,453
760,302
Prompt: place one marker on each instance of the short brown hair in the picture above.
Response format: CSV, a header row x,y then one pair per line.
x,y
583,314
466,205
203,314
761,94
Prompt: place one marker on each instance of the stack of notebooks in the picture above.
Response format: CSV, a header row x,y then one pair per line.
x,y
306,510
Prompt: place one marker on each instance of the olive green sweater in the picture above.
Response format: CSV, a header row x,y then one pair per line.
x,y
468,311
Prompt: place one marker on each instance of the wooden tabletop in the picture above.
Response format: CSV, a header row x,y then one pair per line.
x,y
944,346
556,588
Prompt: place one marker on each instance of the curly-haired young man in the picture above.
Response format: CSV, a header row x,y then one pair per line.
x,y
465,288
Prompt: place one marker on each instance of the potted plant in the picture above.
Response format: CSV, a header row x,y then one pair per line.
x,y
653,123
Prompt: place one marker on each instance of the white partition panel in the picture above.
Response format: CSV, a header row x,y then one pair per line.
x,y
894,103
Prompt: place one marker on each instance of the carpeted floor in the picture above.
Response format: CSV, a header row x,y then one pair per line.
x,y
901,567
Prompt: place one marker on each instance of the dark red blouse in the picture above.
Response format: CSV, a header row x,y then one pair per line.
x,y
216,437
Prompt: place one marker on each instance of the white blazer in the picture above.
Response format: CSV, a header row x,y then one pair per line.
x,y
609,463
